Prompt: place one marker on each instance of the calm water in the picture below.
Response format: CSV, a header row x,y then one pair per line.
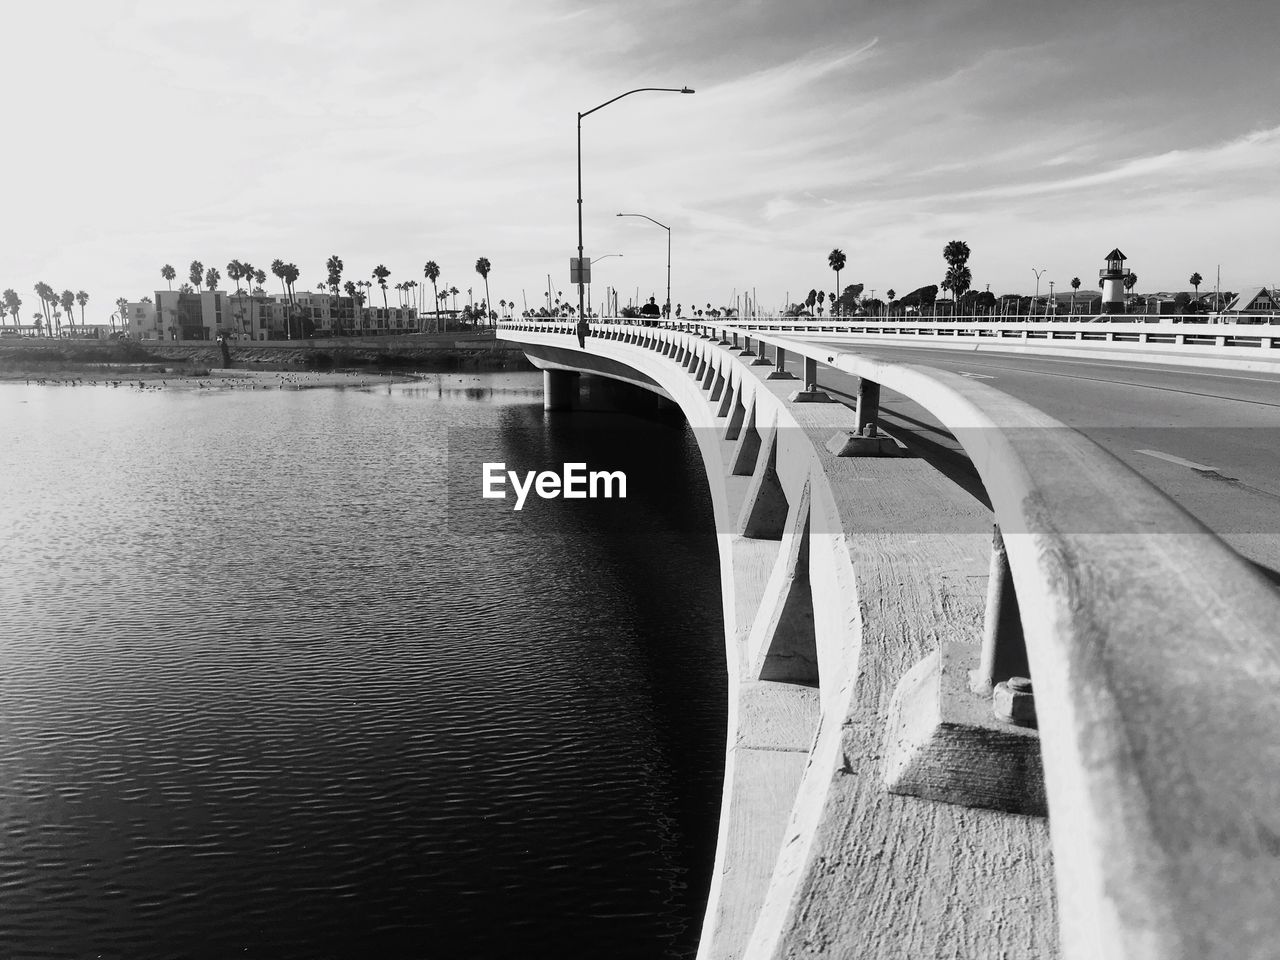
x,y
277,682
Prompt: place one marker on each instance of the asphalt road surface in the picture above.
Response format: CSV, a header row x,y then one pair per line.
x,y
1210,439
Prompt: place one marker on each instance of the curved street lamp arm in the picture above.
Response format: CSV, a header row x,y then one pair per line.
x,y
636,90
650,219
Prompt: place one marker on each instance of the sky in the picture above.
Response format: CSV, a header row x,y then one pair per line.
x,y
399,131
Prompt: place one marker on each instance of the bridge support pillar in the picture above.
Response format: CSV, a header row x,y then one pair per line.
x,y
559,389
781,373
810,393
1004,650
868,411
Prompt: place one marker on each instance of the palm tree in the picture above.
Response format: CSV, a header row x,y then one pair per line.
x,y
196,274
956,254
277,267
1075,285
350,288
47,296
431,270
122,308
1195,281
168,273
482,268
380,273
211,278
12,303
82,298
835,260
236,270
453,292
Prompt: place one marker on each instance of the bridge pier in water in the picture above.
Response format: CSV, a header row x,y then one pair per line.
x,y
559,390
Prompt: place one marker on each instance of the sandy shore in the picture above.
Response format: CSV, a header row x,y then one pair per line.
x,y
215,379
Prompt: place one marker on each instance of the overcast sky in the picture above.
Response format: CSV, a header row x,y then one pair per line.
x,y
1043,135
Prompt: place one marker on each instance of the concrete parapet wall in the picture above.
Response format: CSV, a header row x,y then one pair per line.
x,y
814,857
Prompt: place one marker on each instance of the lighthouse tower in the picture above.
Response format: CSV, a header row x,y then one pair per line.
x,y
1112,277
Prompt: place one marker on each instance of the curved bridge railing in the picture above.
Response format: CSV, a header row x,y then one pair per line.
x,y
1153,648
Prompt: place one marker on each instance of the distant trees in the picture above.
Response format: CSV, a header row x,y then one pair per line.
x,y
277,268
920,297
959,277
196,274
482,268
47,298
847,303
380,273
211,278
13,303
1075,285
431,270
82,298
836,261
168,273
235,271
1195,281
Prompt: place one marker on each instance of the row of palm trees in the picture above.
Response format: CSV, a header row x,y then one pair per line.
x,y
357,290
48,322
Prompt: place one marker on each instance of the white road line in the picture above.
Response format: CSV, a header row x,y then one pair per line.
x,y
975,376
1178,460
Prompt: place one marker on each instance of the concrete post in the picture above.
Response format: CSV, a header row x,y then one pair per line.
x,y
559,389
868,411
810,373
1004,649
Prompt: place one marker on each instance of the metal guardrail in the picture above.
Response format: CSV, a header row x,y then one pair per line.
x,y
1163,334
1155,651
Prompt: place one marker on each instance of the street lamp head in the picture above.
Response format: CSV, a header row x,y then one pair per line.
x,y
686,90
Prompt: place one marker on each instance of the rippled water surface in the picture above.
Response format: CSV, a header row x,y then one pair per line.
x,y
275,683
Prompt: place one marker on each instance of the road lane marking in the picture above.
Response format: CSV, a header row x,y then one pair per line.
x,y
1178,460
975,376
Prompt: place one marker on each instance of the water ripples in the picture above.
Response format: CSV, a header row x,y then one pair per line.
x,y
273,688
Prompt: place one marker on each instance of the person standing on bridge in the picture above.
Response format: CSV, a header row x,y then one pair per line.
x,y
584,329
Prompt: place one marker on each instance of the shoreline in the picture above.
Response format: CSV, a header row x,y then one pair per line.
x,y
156,377
202,366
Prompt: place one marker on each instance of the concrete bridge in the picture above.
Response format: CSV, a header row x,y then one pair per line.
x,y
1058,739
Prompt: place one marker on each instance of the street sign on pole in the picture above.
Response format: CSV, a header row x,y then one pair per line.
x,y
579,270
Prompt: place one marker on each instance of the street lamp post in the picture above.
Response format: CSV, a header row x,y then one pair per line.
x,y
1053,301
581,284
668,229
1039,274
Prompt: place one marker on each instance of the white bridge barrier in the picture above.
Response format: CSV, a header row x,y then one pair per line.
x,y
1153,648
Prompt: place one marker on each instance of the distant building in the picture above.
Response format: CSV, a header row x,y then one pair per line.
x,y
140,321
1255,302
1112,277
206,315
